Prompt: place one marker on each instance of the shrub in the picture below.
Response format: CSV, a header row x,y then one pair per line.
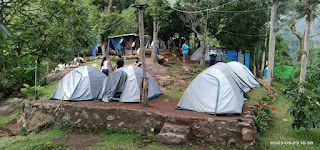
x,y
262,112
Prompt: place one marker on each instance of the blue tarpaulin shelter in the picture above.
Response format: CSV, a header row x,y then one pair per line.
x,y
247,59
92,51
231,54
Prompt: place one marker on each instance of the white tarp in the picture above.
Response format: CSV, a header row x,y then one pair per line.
x,y
213,91
244,73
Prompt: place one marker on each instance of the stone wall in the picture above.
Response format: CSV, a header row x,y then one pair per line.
x,y
213,130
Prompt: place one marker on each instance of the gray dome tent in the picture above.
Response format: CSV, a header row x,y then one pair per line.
x,y
214,91
244,73
82,83
124,85
197,54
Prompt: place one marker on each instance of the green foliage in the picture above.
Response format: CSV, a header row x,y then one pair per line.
x,y
305,108
30,90
226,60
53,31
282,72
282,56
228,28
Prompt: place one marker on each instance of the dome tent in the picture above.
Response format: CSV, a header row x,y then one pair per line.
x,y
197,54
82,83
124,85
244,73
214,91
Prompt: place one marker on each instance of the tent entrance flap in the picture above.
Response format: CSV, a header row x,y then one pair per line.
x,y
120,87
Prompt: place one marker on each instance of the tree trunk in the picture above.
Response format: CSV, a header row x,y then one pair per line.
x,y
300,49
272,42
178,52
264,54
204,48
103,47
155,47
110,6
304,60
144,86
293,30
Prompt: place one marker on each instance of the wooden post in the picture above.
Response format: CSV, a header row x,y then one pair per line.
x,y
35,79
144,80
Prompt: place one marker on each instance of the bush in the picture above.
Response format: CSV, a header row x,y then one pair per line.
x,y
262,112
29,91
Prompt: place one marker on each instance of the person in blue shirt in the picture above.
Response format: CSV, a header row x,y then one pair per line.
x,y
213,55
185,51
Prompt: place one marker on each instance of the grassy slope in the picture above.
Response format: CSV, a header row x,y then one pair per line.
x,y
282,131
32,141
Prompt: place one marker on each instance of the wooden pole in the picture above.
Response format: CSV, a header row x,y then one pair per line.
x,y
35,80
144,84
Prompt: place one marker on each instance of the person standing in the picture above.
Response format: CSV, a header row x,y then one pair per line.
x,y
133,46
122,44
119,63
185,51
213,55
104,66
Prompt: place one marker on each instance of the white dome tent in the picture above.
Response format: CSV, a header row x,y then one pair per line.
x,y
214,91
244,73
123,85
82,83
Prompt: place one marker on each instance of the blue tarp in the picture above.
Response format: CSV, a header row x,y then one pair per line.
x,y
247,59
231,54
92,52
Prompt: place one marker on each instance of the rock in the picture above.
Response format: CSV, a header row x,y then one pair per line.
x,y
165,81
160,59
110,118
95,116
285,120
244,124
247,134
188,69
65,118
171,138
173,134
232,141
120,124
84,114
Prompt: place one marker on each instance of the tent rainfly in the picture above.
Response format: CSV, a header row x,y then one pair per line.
x,y
214,91
124,85
82,83
244,73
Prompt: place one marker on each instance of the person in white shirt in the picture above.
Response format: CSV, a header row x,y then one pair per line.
x,y
104,66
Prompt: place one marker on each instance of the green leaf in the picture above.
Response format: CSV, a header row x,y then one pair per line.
x,y
5,30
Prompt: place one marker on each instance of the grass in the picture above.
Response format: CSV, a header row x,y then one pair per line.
x,y
281,130
48,89
33,141
5,120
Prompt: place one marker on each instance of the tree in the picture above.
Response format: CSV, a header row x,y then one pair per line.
x,y
196,20
309,11
40,30
159,12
